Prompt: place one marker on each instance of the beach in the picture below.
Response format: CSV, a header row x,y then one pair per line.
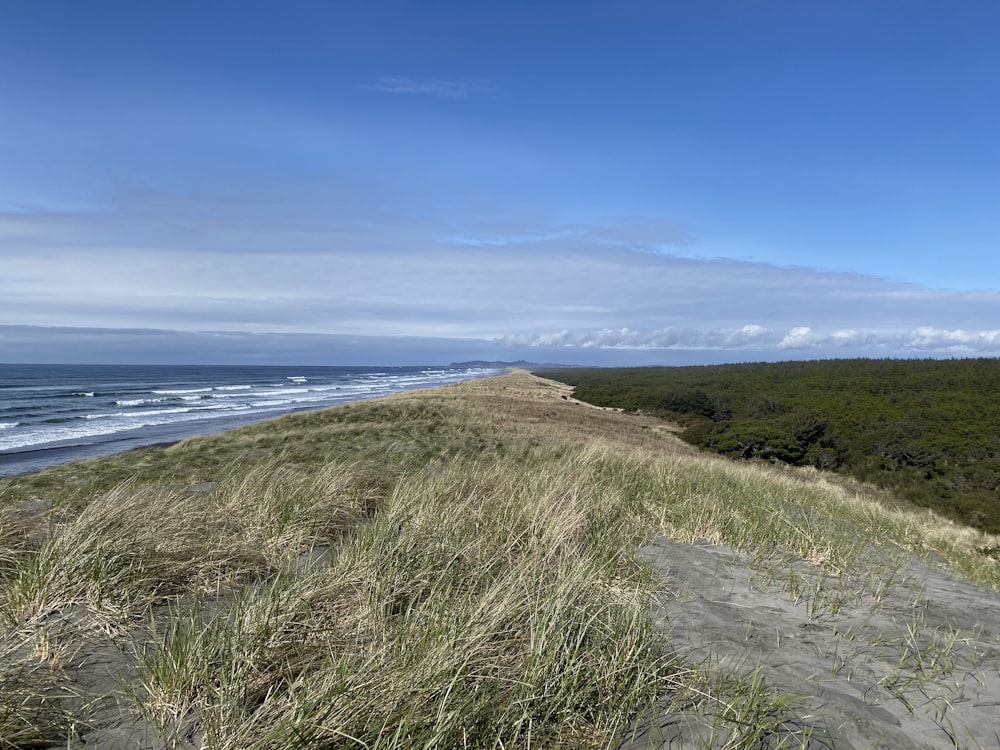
x,y
50,414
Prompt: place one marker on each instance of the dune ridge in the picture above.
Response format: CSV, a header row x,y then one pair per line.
x,y
485,564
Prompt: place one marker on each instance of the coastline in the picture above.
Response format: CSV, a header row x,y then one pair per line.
x,y
34,459
476,564
29,459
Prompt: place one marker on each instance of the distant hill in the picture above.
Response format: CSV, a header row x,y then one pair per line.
x,y
522,364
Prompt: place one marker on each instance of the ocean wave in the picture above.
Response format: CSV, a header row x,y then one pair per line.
x,y
155,412
275,402
288,391
97,427
297,378
140,401
233,387
178,410
8,425
300,400
85,394
179,391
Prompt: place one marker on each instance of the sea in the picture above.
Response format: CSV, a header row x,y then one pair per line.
x,y
50,414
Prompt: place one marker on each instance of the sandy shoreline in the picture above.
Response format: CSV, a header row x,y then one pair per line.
x,y
60,413
35,459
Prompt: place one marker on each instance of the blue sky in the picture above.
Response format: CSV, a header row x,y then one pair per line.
x,y
582,182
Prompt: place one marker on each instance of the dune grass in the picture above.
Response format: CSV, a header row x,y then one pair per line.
x,y
448,568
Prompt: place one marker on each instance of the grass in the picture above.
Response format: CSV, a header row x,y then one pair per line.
x,y
441,569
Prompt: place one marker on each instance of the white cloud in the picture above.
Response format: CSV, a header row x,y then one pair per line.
x,y
757,338
439,87
927,337
637,233
362,272
749,334
799,337
664,338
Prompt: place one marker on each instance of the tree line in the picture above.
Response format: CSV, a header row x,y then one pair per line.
x,y
926,429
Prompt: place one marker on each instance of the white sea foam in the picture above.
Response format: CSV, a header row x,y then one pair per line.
x,y
8,425
179,391
140,401
297,378
85,394
276,402
300,400
95,427
287,391
155,412
233,387
178,410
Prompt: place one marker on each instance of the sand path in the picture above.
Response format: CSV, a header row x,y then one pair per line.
x,y
918,668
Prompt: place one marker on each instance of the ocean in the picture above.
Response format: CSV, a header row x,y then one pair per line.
x,y
50,414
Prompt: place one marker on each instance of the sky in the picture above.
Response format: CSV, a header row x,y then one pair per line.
x,y
591,182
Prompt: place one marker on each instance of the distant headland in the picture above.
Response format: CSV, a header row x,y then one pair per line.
x,y
521,364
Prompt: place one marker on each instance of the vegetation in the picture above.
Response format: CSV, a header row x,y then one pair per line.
x,y
440,569
926,430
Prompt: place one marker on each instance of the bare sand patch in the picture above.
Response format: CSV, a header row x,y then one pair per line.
x,y
918,667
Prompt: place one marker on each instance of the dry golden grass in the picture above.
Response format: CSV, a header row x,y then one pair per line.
x,y
443,568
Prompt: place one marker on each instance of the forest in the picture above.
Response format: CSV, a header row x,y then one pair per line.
x,y
924,429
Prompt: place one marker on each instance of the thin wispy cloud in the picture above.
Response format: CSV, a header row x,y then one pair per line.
x,y
557,292
439,87
798,340
633,233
